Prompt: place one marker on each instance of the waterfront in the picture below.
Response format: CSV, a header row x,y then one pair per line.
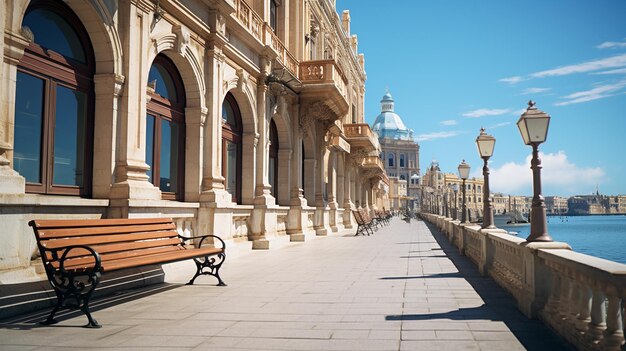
x,y
600,236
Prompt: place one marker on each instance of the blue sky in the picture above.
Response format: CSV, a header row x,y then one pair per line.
x,y
456,66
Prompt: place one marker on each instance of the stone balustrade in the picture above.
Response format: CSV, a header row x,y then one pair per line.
x,y
259,29
323,71
581,297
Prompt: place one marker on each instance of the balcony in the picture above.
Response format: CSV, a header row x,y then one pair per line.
x,y
361,136
262,32
323,80
373,163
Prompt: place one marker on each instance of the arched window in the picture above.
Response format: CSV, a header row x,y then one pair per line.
x,y
401,160
391,159
232,130
54,101
402,177
165,128
273,159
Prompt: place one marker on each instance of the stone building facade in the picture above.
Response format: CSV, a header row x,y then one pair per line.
x,y
399,151
240,118
442,193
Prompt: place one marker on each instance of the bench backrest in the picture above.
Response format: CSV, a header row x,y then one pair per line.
x,y
113,239
357,217
365,217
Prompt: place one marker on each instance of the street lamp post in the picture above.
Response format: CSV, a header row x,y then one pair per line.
x,y
486,143
533,125
455,188
464,170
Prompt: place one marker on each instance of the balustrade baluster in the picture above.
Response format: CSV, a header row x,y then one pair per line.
x,y
554,301
584,308
614,334
598,315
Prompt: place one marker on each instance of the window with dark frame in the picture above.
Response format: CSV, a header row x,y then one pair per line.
x,y
232,131
273,159
165,128
54,103
273,15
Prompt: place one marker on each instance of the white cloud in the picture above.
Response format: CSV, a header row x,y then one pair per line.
x,y
599,92
499,125
535,90
617,62
519,112
449,122
589,66
559,176
436,135
487,112
612,44
613,71
511,80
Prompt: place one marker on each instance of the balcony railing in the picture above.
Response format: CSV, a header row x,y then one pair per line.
x,y
360,134
372,162
249,19
264,33
323,71
357,130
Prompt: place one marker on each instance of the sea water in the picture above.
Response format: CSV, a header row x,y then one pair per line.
x,y
600,236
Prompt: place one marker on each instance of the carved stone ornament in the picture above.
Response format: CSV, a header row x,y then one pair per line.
x,y
27,33
183,38
241,78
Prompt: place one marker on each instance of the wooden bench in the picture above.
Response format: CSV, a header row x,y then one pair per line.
x,y
75,253
363,221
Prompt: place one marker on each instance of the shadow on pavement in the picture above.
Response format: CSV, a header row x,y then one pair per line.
x,y
499,305
32,320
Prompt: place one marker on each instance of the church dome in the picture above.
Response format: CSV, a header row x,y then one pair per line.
x,y
388,124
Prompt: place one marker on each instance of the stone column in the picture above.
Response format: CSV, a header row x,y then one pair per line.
x,y
12,47
195,124
331,189
212,188
108,88
131,180
263,197
215,213
340,181
296,217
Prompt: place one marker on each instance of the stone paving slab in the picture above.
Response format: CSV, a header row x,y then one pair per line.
x,y
403,288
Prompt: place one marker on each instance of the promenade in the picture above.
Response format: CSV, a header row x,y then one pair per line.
x,y
403,288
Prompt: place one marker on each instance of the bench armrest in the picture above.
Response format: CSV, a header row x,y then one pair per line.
x,y
97,266
202,237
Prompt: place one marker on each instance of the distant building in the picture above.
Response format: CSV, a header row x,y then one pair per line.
x,y
442,185
556,205
596,204
399,151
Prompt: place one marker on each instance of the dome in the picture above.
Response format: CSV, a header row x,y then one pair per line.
x,y
387,97
388,124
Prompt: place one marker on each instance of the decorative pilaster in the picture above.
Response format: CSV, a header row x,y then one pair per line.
x,y
12,47
212,187
131,179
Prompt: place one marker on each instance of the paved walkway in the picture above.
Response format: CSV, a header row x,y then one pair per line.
x,y
400,289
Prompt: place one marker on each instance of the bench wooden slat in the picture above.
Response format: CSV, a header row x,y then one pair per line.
x,y
103,250
63,232
88,260
162,258
72,223
159,259
106,239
